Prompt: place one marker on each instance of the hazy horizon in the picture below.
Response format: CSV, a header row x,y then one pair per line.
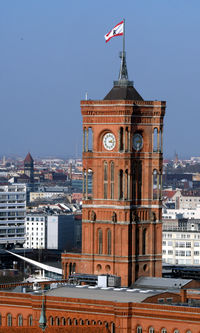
x,y
52,53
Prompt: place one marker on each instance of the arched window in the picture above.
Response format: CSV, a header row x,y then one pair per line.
x,y
63,321
70,268
121,139
105,182
112,180
57,321
144,241
112,327
90,139
75,322
87,322
176,331
139,178
120,184
108,241
84,139
81,322
133,181
51,321
127,143
99,322
139,329
74,268
84,183
151,330
69,322
155,184
20,320
155,140
163,330
93,322
9,320
127,185
90,184
100,241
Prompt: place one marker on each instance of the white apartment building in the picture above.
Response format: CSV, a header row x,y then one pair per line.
x,y
12,215
180,245
183,213
35,231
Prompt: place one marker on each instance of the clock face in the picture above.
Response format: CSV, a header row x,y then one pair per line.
x,y
109,141
137,141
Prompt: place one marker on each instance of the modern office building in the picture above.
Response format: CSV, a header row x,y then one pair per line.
x,y
53,231
181,242
12,215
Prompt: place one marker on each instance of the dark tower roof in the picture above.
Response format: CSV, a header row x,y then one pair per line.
x,y
28,158
123,89
126,93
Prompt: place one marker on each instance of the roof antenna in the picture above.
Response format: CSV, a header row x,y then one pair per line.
x,y
86,96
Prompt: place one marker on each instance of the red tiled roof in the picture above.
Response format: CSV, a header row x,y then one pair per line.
x,y
169,194
28,158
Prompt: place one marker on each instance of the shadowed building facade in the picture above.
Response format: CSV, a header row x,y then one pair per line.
x,y
122,150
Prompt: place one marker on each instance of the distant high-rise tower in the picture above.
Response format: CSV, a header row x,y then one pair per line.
x,y
121,220
29,167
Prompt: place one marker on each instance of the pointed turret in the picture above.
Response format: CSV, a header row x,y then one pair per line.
x,y
28,167
28,158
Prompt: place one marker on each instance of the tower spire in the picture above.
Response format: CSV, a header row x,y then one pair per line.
x,y
123,73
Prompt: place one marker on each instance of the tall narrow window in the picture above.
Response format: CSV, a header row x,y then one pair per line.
x,y
51,321
90,184
20,320
144,241
90,139
105,180
161,140
120,184
155,140
109,241
137,241
126,185
9,320
139,179
70,268
84,139
74,268
134,182
112,180
121,139
112,328
126,140
100,241
155,184
30,320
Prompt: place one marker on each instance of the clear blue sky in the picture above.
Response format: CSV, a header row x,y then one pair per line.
x,y
53,51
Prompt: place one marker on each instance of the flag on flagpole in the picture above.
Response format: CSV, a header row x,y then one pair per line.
x,y
118,30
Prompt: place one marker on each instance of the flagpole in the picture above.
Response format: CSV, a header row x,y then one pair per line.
x,y
124,38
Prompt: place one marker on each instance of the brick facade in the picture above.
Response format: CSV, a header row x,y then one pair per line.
x,y
125,207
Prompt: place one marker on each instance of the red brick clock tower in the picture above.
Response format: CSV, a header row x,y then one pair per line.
x,y
121,219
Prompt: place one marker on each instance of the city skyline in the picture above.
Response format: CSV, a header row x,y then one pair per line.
x,y
52,54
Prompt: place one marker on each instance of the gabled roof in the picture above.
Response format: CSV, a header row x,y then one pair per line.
x,y
28,158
